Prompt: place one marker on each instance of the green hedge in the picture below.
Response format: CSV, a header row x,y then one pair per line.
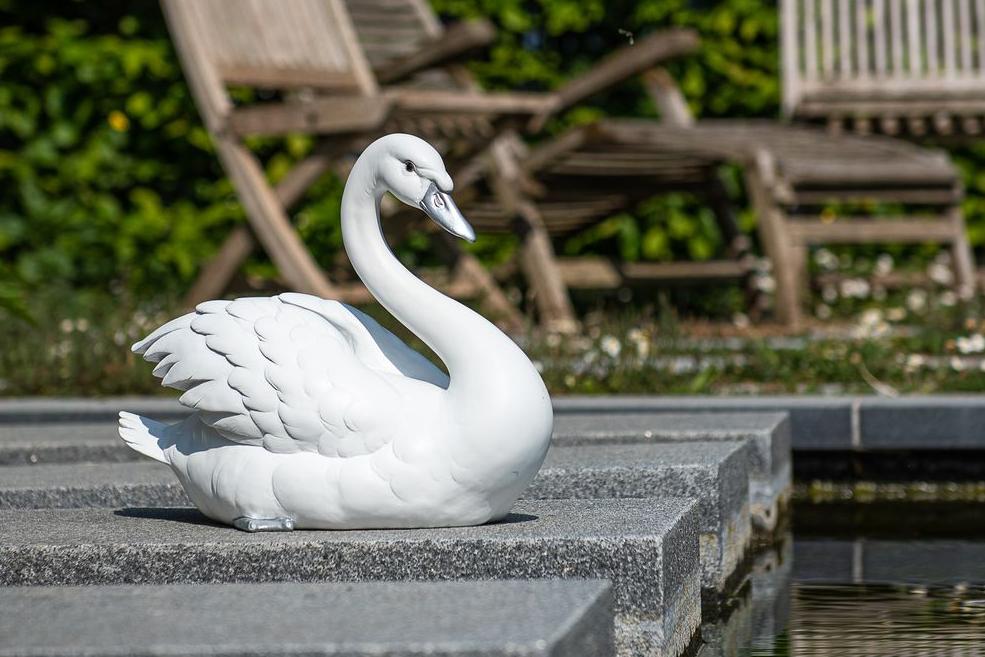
x,y
109,181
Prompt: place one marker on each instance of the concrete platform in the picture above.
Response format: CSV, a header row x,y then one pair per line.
x,y
647,548
714,473
770,484
404,619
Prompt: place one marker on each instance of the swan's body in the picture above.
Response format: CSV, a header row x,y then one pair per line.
x,y
311,415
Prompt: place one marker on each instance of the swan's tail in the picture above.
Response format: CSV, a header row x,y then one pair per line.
x,y
145,436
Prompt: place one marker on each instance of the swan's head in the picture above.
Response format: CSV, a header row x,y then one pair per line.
x,y
412,170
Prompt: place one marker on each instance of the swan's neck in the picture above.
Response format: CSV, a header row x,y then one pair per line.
x,y
478,356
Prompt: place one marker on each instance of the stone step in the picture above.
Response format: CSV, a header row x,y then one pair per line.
x,y
647,548
770,483
714,473
400,619
76,485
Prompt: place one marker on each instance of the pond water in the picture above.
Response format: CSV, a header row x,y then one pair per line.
x,y
893,580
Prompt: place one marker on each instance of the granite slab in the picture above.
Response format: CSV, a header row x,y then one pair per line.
x,y
716,474
647,548
770,483
399,619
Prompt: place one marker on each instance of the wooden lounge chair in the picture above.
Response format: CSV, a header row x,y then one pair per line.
x,y
330,67
794,175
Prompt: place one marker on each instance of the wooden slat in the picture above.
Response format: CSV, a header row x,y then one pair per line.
x,y
879,37
884,230
861,39
930,23
827,38
810,40
455,42
323,116
589,273
896,32
288,78
914,42
950,32
440,100
966,45
709,270
844,39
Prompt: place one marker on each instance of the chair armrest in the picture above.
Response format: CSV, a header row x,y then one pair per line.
x,y
469,102
457,40
621,65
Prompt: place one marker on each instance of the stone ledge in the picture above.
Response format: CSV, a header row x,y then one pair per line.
x,y
714,473
770,483
405,619
647,548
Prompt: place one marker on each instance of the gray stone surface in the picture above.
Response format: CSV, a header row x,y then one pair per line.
x,y
714,473
817,423
473,619
648,548
72,485
62,442
919,423
769,433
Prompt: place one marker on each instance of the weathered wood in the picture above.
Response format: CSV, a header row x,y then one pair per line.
x,y
621,65
440,100
904,230
458,40
320,116
536,251
667,96
912,58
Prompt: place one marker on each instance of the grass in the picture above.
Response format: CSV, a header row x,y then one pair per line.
x,y
78,345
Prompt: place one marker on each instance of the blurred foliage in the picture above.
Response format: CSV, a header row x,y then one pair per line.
x,y
110,183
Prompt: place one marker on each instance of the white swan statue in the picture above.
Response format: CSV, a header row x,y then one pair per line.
x,y
309,414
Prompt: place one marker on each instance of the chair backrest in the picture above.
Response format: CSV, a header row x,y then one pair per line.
x,y
881,51
390,29
261,43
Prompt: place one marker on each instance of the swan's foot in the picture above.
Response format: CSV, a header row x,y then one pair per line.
x,y
264,524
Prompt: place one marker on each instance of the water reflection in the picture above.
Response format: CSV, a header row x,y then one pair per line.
x,y
859,590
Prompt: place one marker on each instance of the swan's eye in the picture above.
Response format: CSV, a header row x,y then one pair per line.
x,y
410,166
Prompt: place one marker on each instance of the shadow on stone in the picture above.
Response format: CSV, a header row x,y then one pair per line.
x,y
188,516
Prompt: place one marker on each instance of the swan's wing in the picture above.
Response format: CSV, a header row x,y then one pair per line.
x,y
372,343
274,372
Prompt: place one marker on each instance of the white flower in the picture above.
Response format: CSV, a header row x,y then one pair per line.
x,y
916,300
896,314
957,364
857,288
539,366
829,293
825,259
822,311
765,284
884,264
871,324
66,326
740,320
553,340
82,325
948,298
915,361
610,345
940,274
973,344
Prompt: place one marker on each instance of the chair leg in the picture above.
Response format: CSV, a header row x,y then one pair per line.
x,y
785,257
214,278
964,264
539,265
269,220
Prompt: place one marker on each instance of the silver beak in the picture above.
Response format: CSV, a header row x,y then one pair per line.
x,y
446,214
